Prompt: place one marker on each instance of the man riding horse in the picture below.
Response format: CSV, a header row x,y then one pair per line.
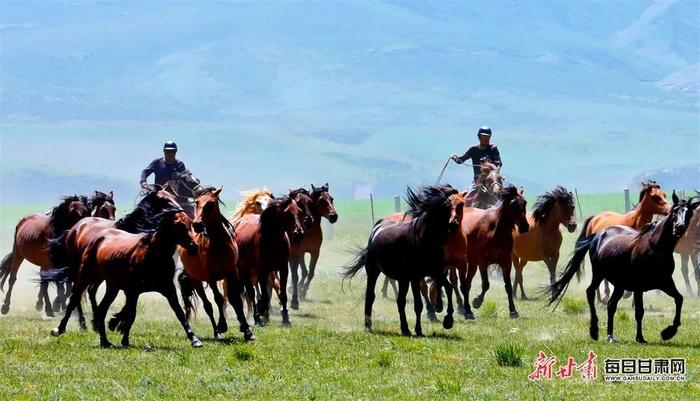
x,y
481,153
169,169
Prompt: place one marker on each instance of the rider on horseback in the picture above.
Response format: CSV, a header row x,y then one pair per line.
x,y
483,152
163,167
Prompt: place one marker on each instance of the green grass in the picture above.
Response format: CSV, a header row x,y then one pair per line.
x,y
327,355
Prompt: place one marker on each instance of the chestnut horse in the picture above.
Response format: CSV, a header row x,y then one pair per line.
x,y
32,242
316,205
488,187
543,239
133,263
407,251
489,236
632,260
689,248
68,249
263,244
652,200
254,202
216,260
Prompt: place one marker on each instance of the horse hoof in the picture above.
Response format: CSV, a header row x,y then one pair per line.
x,y
249,336
259,323
438,308
83,327
5,309
641,340
287,323
419,334
218,337
514,315
106,344
669,332
611,339
49,313
113,323
125,344
222,327
56,307
39,306
406,333
368,329
196,343
476,303
294,304
469,315
448,322
56,332
432,317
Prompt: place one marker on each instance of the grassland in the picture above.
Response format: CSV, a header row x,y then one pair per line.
x,y
327,355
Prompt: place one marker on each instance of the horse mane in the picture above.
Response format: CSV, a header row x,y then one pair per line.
x,y
294,192
270,220
485,169
317,191
158,220
647,186
59,214
143,218
99,198
546,202
508,192
247,205
426,199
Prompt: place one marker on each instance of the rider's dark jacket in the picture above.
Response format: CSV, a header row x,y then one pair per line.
x,y
479,153
163,171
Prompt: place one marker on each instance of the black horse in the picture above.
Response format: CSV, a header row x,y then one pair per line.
x,y
407,252
186,187
631,260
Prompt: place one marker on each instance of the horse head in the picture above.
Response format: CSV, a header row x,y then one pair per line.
x,y
324,202
207,211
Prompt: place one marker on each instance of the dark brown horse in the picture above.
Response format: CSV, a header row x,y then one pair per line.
x,y
689,248
217,260
103,205
489,236
488,187
543,239
315,205
263,244
133,263
652,200
32,242
407,252
632,260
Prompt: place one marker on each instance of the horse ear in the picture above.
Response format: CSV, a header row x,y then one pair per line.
x,y
326,187
111,194
521,190
674,197
216,192
313,188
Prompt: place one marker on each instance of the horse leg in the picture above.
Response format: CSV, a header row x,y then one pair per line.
x,y
101,312
222,326
519,265
401,304
372,276
312,272
199,288
671,290
264,304
465,284
81,316
639,315
417,305
169,292
284,275
483,270
44,293
385,288
92,296
448,321
509,288
606,285
684,270
696,267
132,299
294,268
304,273
454,280
612,308
234,298
430,310
252,304
591,297
73,302
60,300
16,260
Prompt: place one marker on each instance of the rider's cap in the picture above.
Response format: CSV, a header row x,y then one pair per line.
x,y
484,131
170,145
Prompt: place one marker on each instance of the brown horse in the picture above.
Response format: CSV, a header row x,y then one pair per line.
x,y
652,200
133,263
489,236
216,260
263,244
32,242
689,248
67,250
543,239
315,205
488,187
254,202
454,251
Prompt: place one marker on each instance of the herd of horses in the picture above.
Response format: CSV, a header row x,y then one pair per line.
x,y
438,244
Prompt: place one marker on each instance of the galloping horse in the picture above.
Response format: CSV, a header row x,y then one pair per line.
x,y
652,201
216,260
543,239
489,185
321,205
133,263
263,246
185,186
32,242
489,236
254,202
68,249
631,260
689,248
103,205
407,252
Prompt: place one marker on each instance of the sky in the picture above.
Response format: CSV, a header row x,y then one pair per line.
x,y
368,96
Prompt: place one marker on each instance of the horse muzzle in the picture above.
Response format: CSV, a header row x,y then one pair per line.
x,y
333,217
297,235
308,222
524,227
453,226
192,249
198,227
571,227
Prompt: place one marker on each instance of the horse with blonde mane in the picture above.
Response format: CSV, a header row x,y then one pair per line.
x,y
254,202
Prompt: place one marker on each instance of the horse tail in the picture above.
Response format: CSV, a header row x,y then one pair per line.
x,y
356,264
189,295
573,268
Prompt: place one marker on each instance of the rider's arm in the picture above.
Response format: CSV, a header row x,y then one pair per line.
x,y
461,159
496,157
150,169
